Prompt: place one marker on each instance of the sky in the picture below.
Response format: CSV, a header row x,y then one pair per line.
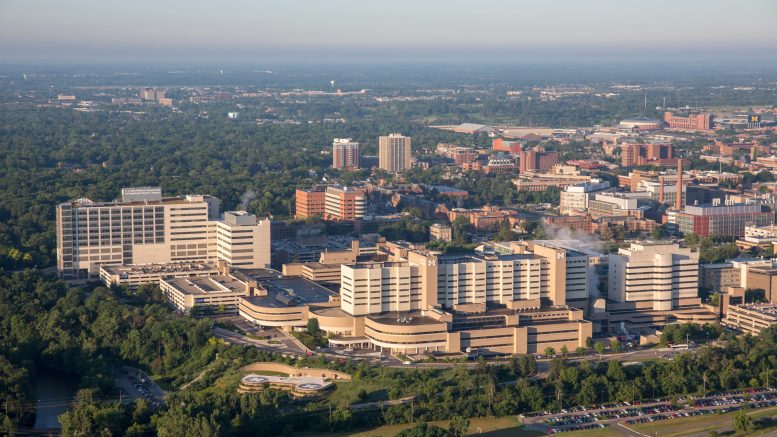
x,y
390,30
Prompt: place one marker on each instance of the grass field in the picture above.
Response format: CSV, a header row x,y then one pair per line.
x,y
348,391
700,424
487,426
602,432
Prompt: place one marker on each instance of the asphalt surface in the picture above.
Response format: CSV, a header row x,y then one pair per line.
x,y
135,384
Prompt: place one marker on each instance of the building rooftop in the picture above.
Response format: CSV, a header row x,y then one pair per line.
x,y
411,318
761,308
183,267
291,291
199,285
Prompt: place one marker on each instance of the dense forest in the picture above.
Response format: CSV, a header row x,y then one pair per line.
x,y
89,331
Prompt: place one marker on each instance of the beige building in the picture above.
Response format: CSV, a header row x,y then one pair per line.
x,y
440,232
394,153
133,276
345,154
718,277
750,319
651,285
218,294
145,228
659,273
242,241
375,288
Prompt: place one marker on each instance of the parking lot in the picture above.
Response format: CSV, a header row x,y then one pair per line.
x,y
624,413
135,384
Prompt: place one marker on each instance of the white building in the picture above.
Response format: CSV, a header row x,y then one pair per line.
x,y
145,228
374,288
660,273
575,198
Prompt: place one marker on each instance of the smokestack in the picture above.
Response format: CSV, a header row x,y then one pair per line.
x,y
678,203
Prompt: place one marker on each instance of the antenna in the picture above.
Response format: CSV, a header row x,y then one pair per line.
x,y
645,102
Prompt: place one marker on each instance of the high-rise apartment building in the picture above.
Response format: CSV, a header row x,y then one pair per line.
x,y
151,93
537,160
145,228
331,203
394,153
345,154
688,121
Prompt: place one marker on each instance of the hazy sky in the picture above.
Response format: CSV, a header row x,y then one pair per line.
x,y
352,30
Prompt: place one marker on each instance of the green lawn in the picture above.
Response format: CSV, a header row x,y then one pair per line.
x,y
347,391
479,425
601,432
696,424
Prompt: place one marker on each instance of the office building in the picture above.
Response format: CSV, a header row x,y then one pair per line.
x,y
345,154
511,147
217,294
720,220
334,202
688,121
750,319
241,241
647,154
657,273
718,277
440,232
151,93
652,285
344,203
575,198
144,228
135,275
394,153
537,160
375,288
761,237
615,205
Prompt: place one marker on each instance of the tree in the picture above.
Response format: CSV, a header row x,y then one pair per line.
x,y
742,421
458,426
658,233
460,228
313,328
691,240
342,417
580,350
615,345
549,351
564,351
505,232
423,429
599,347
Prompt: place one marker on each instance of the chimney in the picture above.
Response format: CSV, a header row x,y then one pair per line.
x,y
678,203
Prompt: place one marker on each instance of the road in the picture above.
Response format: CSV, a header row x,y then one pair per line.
x,y
284,346
283,343
136,384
